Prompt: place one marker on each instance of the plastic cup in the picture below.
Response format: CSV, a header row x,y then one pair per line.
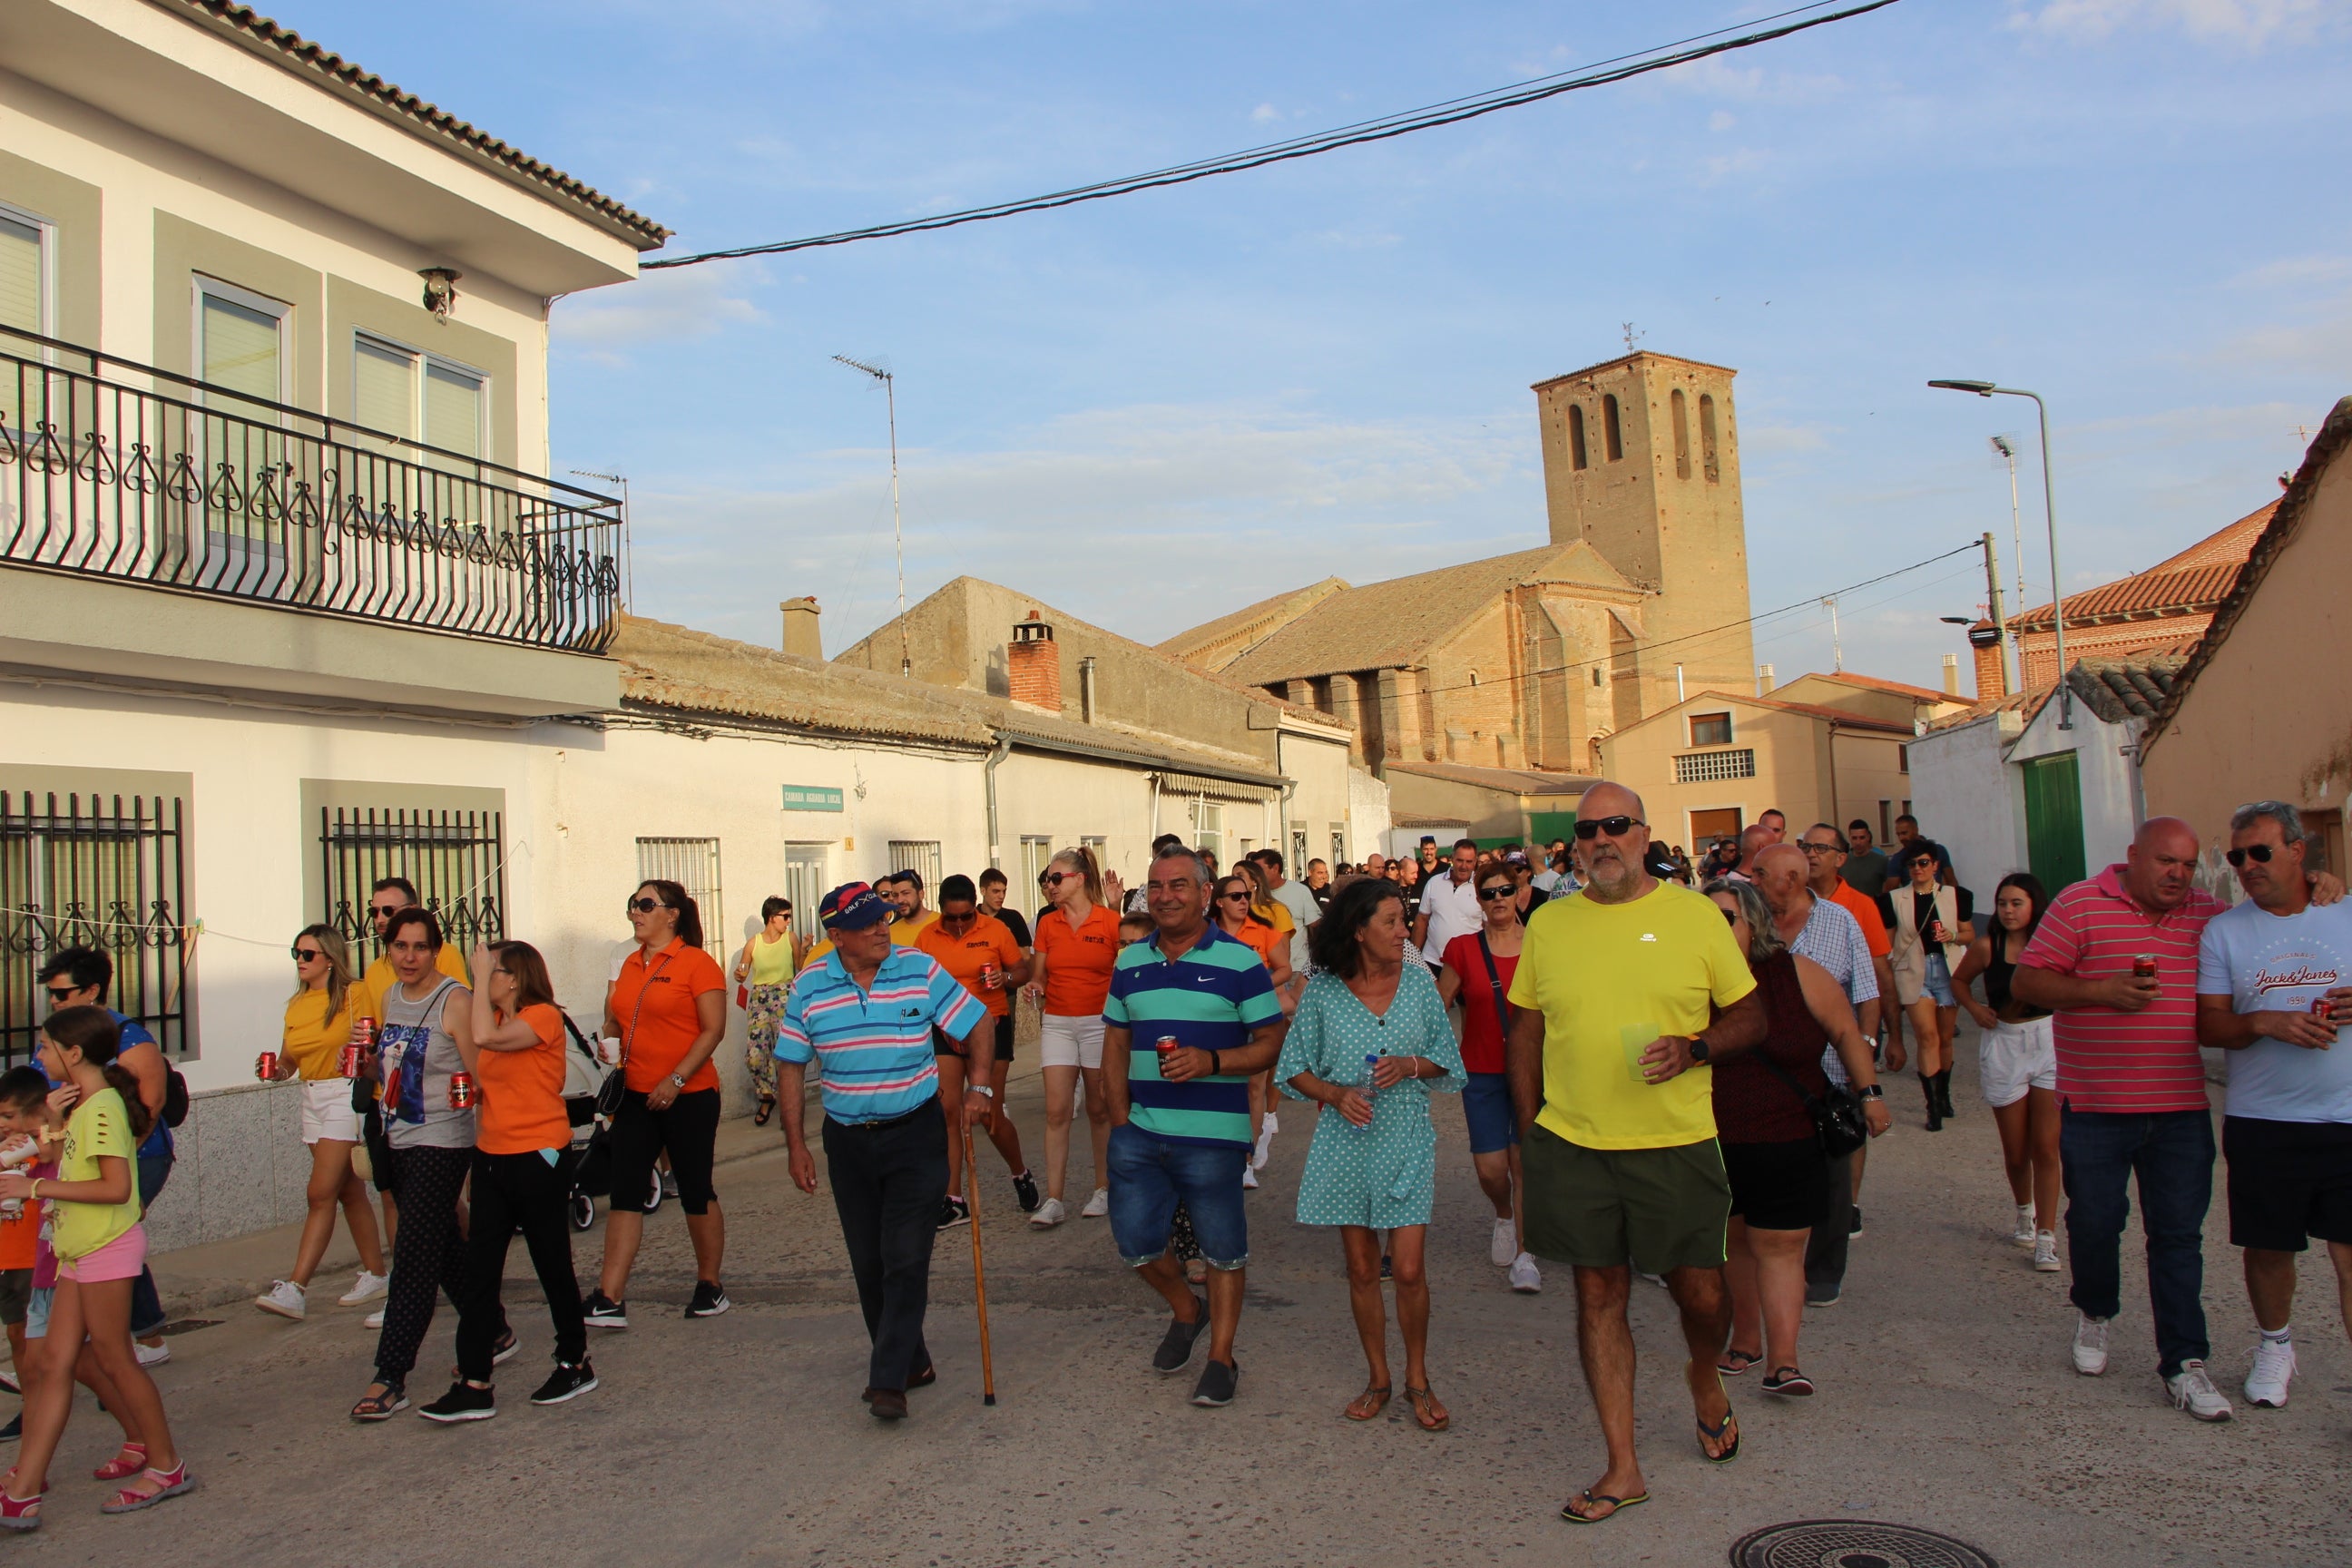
x,y
1635,1038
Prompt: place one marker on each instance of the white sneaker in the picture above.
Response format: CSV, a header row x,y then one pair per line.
x,y
1502,1249
1525,1277
2024,1233
151,1356
1273,1124
2274,1367
1249,1177
367,1288
1264,1145
374,1320
285,1298
2192,1390
2091,1346
1097,1206
1049,1214
2046,1252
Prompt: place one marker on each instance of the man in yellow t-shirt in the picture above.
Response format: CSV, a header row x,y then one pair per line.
x,y
905,888
1624,994
388,898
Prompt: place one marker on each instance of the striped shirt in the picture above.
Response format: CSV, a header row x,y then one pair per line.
x,y
1832,938
2131,1063
873,1046
1211,998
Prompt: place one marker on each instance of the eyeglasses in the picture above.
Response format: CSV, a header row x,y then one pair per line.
x,y
59,998
1615,826
307,955
383,912
958,922
1925,860
1235,897
644,906
1056,878
2260,854
1489,895
1731,917
1820,849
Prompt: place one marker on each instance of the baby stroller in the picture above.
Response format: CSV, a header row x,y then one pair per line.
x,y
592,1092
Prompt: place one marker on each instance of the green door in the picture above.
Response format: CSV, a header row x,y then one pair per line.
x,y
2053,819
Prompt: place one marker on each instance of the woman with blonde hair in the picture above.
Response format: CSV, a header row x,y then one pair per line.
x,y
318,1024
1076,948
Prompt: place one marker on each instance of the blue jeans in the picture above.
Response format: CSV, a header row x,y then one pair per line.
x,y
1149,1174
2171,1153
146,1306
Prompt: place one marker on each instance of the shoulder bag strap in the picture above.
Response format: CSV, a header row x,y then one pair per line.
x,y
629,1036
1495,979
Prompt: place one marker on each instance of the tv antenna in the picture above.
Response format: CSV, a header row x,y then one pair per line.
x,y
897,533
1631,337
628,559
1837,645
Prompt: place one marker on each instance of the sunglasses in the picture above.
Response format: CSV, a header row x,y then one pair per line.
x,y
59,998
1615,826
1491,895
2260,854
1821,848
1235,897
1731,917
644,906
959,922
307,955
384,912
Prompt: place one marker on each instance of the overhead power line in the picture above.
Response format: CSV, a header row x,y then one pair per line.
x,y
1452,112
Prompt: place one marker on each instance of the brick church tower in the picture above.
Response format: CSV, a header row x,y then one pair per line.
x,y
1641,461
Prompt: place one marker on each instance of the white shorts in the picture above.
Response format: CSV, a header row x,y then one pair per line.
x,y
327,1110
1071,1041
2014,1057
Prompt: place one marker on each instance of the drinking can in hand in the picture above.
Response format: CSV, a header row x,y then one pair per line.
x,y
461,1090
1167,1048
265,1066
990,977
2324,1010
354,1057
2144,966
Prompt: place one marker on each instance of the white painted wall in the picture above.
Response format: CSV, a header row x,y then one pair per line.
x,y
1969,799
2109,817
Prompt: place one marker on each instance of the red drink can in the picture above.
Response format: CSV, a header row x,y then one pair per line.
x,y
1169,1046
2323,1009
2144,966
461,1090
990,977
353,1057
265,1066
364,1031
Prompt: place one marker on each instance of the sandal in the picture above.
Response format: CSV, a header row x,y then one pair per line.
x,y
1375,1395
1423,1404
1707,1433
1617,1505
382,1406
169,1483
1745,1359
20,1513
129,1462
767,1108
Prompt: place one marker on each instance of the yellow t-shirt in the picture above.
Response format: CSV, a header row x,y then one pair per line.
x,y
99,1128
772,961
314,1040
906,934
816,954
380,980
1609,979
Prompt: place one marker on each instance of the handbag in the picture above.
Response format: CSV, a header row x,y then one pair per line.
x,y
1840,1126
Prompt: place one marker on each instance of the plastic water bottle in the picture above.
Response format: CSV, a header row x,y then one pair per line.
x,y
1371,1090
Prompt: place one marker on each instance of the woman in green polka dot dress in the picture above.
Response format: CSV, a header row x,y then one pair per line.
x,y
1373,1163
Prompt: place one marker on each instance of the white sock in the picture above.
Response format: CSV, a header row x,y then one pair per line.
x,y
2280,1335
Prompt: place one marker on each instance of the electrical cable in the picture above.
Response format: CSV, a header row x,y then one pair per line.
x,y
1621,68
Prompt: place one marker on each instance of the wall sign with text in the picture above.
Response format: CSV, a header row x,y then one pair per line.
x,y
810,798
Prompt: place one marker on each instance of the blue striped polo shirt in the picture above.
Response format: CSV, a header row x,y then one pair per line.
x,y
1210,999
873,1046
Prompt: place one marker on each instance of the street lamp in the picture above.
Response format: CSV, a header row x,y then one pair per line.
x,y
2050,511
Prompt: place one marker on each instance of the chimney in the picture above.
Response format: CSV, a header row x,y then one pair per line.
x,y
1763,680
1951,675
1033,663
1086,689
801,636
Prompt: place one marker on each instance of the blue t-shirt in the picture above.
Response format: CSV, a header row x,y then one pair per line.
x,y
873,1046
1211,998
2278,963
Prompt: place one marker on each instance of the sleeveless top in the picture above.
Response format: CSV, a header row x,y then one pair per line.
x,y
1997,971
1752,1105
772,961
418,1055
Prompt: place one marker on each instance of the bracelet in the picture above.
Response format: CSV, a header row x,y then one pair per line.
x,y
1216,1065
35,1189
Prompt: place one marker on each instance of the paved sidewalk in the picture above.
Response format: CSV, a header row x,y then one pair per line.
x,y
1947,1402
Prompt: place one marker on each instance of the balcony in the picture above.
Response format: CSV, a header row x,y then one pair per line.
x,y
119,471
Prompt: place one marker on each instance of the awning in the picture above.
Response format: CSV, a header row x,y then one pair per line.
x,y
1214,788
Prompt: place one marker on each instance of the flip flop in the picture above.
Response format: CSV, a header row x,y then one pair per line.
x,y
1707,1433
1745,1359
1376,1392
1617,1505
1421,1400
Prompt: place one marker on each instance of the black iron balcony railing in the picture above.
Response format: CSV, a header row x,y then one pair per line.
x,y
109,469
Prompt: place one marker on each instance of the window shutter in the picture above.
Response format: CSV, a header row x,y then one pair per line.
x,y
20,277
385,387
241,349
453,410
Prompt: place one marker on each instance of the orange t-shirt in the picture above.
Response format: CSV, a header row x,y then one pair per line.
x,y
1865,910
1262,938
1078,961
521,1108
987,940
20,1238
660,998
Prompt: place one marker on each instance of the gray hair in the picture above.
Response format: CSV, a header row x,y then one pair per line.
x,y
1763,935
2290,821
1178,852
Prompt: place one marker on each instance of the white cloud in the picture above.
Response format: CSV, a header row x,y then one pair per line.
x,y
669,306
2295,272
1266,114
2322,343
1721,119
2249,23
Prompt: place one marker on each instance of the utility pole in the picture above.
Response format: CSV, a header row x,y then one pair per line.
x,y
897,533
1837,646
2000,623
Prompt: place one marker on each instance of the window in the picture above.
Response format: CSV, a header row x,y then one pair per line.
x,y
1612,430
1298,858
1596,675
1338,847
1036,853
805,883
692,864
1710,728
24,275
1576,455
920,856
1474,677
1209,830
1886,822
1903,759
420,397
1711,767
1706,452
1682,434
241,341
456,859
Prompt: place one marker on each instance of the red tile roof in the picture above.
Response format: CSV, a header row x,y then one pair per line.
x,y
2196,579
1873,683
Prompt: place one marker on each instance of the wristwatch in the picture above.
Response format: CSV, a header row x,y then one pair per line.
x,y
676,1082
1871,1091
979,1088
1698,1048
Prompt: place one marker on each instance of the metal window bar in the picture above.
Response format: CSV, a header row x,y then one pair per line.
x,y
806,885
456,858
104,872
692,864
1708,767
116,470
918,855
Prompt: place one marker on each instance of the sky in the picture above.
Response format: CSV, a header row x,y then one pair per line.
x,y
1152,410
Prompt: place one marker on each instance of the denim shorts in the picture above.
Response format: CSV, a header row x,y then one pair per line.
x,y
37,1312
1148,1176
1937,983
1486,1107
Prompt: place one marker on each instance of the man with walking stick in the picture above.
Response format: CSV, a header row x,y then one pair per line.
x,y
865,1014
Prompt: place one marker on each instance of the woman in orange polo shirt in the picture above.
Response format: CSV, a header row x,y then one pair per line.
x,y
974,946
669,1008
522,1180
1077,947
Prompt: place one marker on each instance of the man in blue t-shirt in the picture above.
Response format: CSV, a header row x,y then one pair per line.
x,y
2269,974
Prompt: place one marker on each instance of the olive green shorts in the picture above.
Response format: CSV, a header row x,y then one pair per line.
x,y
1599,1208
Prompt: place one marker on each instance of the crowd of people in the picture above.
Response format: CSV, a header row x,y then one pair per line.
x,y
1666,1071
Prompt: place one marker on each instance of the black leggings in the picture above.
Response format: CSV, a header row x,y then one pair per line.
x,y
521,1191
427,1253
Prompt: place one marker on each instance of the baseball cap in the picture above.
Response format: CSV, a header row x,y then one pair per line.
x,y
853,906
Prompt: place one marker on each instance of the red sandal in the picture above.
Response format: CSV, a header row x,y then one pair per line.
x,y
21,1513
129,1462
171,1483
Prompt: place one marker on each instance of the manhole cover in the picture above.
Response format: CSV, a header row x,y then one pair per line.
x,y
184,1325
1852,1544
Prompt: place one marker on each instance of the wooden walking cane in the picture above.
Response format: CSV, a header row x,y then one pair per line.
x,y
979,1271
